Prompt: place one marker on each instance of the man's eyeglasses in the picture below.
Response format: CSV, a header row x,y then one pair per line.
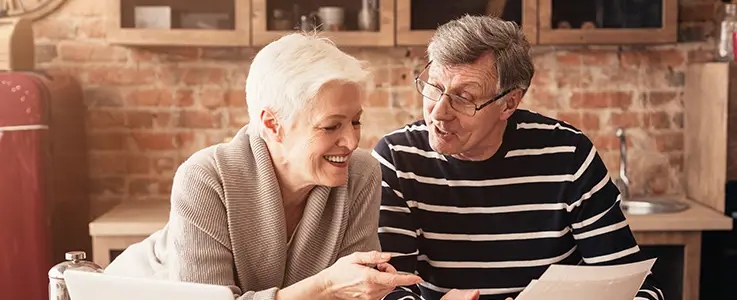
x,y
458,103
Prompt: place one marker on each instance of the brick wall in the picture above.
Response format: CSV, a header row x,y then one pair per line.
x,y
149,109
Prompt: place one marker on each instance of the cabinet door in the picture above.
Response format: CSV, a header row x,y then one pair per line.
x,y
608,21
347,23
178,23
417,19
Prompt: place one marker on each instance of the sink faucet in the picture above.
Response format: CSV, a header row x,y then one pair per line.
x,y
624,182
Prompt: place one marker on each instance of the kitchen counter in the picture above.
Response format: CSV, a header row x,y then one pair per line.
x,y
143,218
696,218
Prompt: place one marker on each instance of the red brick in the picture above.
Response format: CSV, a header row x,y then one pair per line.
x,y
143,186
90,52
141,55
212,98
652,58
586,58
677,120
140,119
401,76
107,141
121,75
107,185
582,120
700,55
176,54
660,99
199,119
657,120
102,97
538,99
406,99
151,97
669,141
93,28
82,9
184,98
565,58
605,142
625,119
101,119
53,29
237,119
138,164
377,98
155,140
621,100
382,76
107,164
236,98
573,78
164,165
203,75
542,78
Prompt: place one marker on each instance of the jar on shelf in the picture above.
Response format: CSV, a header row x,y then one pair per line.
x,y
727,26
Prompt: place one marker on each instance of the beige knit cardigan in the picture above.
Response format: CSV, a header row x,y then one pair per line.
x,y
227,224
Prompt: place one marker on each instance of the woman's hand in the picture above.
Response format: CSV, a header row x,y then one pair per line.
x,y
352,278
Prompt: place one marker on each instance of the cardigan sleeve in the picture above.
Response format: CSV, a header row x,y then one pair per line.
x,y
362,231
198,243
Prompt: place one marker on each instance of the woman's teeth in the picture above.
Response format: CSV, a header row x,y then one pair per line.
x,y
336,159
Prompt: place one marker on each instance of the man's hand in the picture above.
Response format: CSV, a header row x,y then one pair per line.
x,y
456,294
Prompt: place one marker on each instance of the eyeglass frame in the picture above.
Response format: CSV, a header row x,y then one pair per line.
x,y
443,93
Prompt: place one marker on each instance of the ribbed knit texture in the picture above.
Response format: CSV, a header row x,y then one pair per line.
x,y
227,223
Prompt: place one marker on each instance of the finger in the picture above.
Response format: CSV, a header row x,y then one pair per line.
x,y
387,268
392,280
456,294
372,258
509,298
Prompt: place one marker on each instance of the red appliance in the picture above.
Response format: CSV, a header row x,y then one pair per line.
x,y
44,206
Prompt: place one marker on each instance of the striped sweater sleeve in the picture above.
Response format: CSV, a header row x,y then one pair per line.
x,y
599,226
397,229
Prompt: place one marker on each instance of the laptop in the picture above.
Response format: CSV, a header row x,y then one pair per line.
x,y
98,286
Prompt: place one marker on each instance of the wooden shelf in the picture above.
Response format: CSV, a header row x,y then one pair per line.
x,y
383,37
667,33
239,36
178,37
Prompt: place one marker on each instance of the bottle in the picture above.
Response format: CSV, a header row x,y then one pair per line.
x,y
75,261
727,26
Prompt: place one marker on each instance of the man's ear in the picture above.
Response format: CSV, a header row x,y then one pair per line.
x,y
511,103
271,124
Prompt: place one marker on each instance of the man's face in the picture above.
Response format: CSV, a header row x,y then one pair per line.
x,y
454,129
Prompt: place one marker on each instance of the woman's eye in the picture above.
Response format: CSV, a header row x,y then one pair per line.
x,y
331,128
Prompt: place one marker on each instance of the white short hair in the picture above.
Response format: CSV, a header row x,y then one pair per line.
x,y
288,73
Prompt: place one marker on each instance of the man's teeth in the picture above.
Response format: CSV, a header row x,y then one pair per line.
x,y
336,159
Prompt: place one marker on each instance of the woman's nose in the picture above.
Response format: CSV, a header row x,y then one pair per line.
x,y
350,138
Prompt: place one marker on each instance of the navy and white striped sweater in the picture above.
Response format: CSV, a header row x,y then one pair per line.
x,y
544,198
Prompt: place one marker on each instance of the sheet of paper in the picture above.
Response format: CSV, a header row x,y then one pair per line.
x,y
620,282
624,288
578,273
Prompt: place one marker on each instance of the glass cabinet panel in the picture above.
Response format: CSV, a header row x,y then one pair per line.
x,y
428,14
323,15
172,14
611,14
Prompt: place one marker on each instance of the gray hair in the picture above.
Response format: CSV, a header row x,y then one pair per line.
x,y
287,74
466,39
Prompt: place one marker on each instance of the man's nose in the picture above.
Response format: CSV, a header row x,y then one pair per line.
x,y
442,108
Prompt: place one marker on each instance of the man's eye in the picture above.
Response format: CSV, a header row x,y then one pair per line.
x,y
356,123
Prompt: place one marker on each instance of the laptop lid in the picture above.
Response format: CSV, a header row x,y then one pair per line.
x,y
97,286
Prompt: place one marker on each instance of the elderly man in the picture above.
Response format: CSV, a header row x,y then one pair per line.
x,y
481,196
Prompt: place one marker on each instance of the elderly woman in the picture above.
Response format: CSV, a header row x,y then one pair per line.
x,y
289,208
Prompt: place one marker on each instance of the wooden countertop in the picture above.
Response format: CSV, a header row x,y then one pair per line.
x,y
696,218
143,218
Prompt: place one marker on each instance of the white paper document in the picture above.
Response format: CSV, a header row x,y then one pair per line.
x,y
559,282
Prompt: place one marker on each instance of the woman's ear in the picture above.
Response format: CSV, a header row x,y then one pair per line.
x,y
271,124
